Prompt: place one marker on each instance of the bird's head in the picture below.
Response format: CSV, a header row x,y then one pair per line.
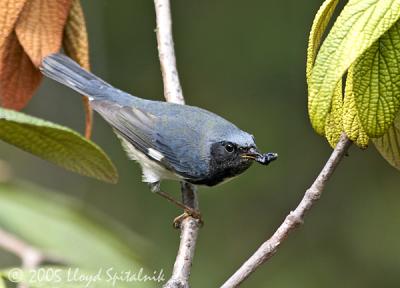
x,y
235,153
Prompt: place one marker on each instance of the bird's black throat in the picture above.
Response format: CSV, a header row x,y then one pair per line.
x,y
223,165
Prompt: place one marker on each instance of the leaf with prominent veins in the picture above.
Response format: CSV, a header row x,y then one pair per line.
x,y
76,46
376,83
40,27
57,144
359,25
75,40
389,144
351,121
9,11
333,127
334,121
19,78
318,28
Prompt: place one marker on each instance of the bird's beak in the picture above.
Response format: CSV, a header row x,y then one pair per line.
x,y
263,159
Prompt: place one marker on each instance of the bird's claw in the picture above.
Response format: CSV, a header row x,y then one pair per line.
x,y
188,213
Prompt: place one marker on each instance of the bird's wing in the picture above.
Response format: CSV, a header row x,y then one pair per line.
x,y
142,130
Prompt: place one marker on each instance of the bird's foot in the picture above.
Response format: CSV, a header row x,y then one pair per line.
x,y
188,213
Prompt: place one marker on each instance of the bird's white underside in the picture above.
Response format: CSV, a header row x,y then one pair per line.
x,y
152,172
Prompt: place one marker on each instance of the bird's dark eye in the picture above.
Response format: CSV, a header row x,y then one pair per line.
x,y
229,147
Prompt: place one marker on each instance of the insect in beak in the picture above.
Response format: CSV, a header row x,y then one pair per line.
x,y
263,159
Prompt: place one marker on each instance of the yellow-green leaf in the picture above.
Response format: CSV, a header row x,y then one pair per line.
x,y
389,144
320,22
2,283
358,26
351,122
56,144
334,123
376,83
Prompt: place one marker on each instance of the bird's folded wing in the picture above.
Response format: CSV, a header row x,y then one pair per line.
x,y
141,129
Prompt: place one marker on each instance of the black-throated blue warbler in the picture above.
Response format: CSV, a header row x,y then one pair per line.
x,y
170,141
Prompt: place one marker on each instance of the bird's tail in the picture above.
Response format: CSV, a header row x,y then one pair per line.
x,y
66,71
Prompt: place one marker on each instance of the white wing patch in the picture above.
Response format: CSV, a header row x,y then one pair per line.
x,y
152,171
155,154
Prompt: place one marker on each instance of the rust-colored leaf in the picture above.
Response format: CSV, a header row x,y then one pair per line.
x,y
75,39
19,78
9,11
76,46
40,27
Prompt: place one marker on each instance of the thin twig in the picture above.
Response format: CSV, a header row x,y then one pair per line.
x,y
294,219
30,256
189,232
173,93
166,52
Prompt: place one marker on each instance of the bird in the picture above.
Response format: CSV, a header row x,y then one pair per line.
x,y
170,141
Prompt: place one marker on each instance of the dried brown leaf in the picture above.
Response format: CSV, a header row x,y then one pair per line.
x,y
75,39
9,11
19,78
40,27
76,46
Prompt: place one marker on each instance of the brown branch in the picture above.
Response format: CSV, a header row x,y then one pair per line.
x,y
294,219
173,93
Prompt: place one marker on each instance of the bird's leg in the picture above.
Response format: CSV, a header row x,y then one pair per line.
x,y
189,211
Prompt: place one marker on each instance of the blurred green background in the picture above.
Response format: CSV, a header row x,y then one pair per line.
x,y
244,60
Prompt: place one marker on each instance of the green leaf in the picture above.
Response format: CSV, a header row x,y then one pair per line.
x,y
334,121
389,144
351,122
56,144
333,128
376,83
358,26
67,229
319,25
